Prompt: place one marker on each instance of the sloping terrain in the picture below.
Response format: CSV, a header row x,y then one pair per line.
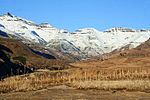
x,y
18,58
81,44
119,71
137,57
118,55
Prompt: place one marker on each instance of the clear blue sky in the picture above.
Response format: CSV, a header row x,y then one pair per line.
x,y
74,14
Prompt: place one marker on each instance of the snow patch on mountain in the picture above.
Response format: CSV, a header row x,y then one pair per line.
x,y
86,42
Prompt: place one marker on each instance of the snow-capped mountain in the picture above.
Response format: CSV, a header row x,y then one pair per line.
x,y
82,43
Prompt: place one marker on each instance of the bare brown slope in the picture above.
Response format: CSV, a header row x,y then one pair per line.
x,y
32,59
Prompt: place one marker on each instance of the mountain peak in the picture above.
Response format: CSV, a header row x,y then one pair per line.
x,y
9,14
89,41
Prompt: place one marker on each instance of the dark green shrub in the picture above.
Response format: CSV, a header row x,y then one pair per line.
x,y
20,59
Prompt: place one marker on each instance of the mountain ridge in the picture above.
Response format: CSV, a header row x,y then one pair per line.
x,y
83,43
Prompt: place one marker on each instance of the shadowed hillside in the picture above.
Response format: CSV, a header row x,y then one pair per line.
x,y
7,67
17,58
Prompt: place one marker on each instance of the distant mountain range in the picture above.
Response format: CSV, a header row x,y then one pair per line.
x,y
81,44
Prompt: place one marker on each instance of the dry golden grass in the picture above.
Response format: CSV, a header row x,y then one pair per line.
x,y
111,74
33,81
121,78
130,85
132,79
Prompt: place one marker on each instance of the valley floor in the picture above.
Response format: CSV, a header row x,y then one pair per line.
x,y
66,93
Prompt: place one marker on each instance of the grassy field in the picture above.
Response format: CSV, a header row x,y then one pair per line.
x,y
132,79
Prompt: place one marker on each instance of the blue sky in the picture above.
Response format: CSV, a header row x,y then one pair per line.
x,y
74,14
